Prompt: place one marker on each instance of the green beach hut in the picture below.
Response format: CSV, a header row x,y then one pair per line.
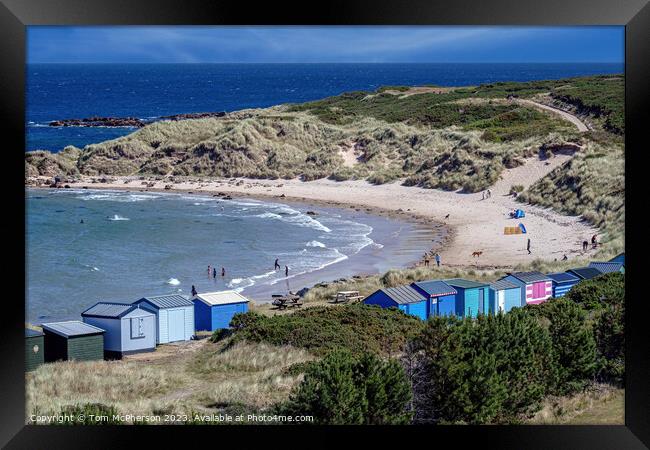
x,y
34,349
73,340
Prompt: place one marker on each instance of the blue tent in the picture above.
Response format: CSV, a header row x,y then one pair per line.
x,y
519,214
523,228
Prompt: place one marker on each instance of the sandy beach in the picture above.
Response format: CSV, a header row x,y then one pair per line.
x,y
474,224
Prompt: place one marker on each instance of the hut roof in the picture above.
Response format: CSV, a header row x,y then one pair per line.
x,y
465,284
563,277
500,285
435,288
166,301
607,267
31,333
586,273
110,310
221,298
71,328
619,258
403,294
530,277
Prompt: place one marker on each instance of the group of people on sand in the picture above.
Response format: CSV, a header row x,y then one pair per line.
x,y
436,256
213,271
594,243
486,194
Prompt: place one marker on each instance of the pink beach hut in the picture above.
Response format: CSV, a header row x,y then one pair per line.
x,y
535,286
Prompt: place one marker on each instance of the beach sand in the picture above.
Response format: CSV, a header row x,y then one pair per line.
x,y
475,224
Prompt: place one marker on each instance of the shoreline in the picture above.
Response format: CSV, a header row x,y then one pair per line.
x,y
473,224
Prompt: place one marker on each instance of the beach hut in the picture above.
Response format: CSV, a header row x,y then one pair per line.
x,y
404,298
34,349
441,297
562,282
472,297
585,273
504,295
129,328
72,340
215,310
174,316
535,286
608,266
619,259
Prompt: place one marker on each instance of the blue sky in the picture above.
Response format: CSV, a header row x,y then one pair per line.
x,y
201,44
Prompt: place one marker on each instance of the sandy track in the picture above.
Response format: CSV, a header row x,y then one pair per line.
x,y
582,127
476,224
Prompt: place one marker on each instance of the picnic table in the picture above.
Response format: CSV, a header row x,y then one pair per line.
x,y
286,301
346,296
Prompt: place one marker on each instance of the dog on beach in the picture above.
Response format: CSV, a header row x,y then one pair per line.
x,y
477,254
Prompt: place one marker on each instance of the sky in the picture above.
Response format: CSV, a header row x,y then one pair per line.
x,y
314,44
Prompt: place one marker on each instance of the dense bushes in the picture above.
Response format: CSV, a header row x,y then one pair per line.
x,y
346,390
494,369
357,328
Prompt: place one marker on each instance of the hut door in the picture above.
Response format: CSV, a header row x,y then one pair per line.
x,y
480,301
502,300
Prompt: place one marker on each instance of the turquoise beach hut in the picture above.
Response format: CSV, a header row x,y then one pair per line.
x,y
472,297
405,298
504,295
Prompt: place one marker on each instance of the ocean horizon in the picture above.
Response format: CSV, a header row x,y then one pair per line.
x,y
148,91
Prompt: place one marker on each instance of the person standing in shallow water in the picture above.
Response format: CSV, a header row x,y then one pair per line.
x,y
194,291
286,271
214,272
223,271
277,264
209,269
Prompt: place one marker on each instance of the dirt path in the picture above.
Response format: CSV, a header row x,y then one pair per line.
x,y
582,127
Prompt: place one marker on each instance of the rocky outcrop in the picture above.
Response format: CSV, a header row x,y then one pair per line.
x,y
132,122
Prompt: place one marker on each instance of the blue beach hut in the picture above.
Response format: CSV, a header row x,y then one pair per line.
x,y
441,297
405,298
585,273
174,316
504,295
472,297
608,267
563,282
619,259
129,328
215,310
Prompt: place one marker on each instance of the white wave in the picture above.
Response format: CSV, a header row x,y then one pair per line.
x,y
124,197
315,244
338,259
173,282
269,215
118,218
377,245
235,281
264,275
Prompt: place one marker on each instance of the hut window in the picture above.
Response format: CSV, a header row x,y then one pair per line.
x,y
137,327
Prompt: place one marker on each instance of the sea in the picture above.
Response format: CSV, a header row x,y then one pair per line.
x,y
147,91
87,245
84,246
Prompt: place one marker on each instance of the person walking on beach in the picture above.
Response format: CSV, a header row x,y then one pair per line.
x,y
194,291
483,195
438,259
585,244
528,246
223,271
594,241
426,260
286,271
214,272
277,264
489,194
564,258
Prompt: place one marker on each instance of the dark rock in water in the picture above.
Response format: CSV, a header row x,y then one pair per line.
x,y
84,187
168,187
302,292
227,197
282,195
67,186
311,213
132,122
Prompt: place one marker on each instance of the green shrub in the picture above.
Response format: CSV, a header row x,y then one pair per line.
x,y
357,328
89,414
343,389
599,292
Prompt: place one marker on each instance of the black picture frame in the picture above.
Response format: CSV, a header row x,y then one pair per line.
x,y
15,15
